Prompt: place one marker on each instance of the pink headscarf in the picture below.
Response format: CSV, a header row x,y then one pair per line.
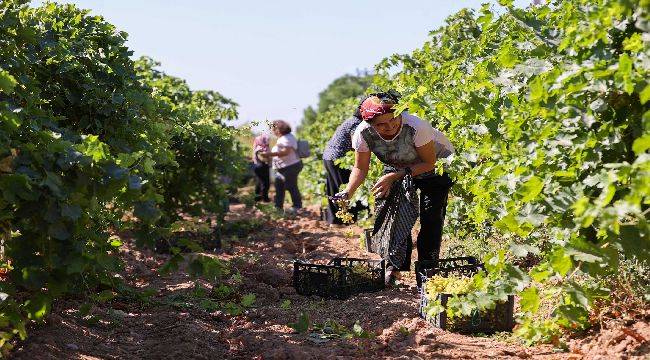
x,y
260,144
373,106
261,141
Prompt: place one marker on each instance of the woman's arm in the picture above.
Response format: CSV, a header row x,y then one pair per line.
x,y
359,172
281,152
427,154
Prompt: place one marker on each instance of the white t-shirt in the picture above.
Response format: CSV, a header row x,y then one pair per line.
x,y
285,142
424,133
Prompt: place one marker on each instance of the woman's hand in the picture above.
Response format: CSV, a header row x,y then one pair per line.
x,y
383,185
343,195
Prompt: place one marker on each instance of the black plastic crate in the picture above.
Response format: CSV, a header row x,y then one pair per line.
x,y
367,239
464,266
487,321
340,278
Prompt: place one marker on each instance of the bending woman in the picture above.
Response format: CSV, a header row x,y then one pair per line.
x,y
261,168
408,147
337,147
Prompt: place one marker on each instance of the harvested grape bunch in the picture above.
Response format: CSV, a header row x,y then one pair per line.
x,y
438,285
362,271
450,285
343,213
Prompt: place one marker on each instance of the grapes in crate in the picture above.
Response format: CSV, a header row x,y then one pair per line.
x,y
447,285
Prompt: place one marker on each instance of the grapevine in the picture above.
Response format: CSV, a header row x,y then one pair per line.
x,y
93,144
547,108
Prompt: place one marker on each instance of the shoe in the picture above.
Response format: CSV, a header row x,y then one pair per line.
x,y
299,211
391,277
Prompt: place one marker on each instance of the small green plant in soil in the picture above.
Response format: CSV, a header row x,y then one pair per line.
x,y
286,304
332,330
404,331
302,324
242,227
248,300
269,211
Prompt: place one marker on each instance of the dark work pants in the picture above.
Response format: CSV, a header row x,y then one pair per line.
x,y
336,176
287,179
262,181
434,192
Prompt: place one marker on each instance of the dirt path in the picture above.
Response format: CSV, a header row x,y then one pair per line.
x,y
170,324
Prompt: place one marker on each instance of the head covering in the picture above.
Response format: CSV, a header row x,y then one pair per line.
x,y
261,141
260,144
373,106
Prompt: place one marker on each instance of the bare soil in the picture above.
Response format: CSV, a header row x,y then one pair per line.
x,y
170,325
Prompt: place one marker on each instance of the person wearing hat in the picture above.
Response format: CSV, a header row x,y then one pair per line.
x,y
408,147
337,147
261,168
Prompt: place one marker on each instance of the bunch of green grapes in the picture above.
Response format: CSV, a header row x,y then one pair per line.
x,y
362,271
447,285
343,213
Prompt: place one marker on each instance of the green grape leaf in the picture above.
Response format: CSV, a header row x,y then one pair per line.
x,y
583,256
641,144
530,300
58,231
302,325
72,212
104,296
209,305
644,96
560,261
635,240
146,210
286,304
522,250
541,272
94,148
531,189
634,43
38,306
7,82
577,296
15,186
248,300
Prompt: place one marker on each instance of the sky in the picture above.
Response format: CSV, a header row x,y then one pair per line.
x,y
272,57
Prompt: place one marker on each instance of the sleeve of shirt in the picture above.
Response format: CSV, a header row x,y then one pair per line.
x,y
358,143
424,134
285,142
